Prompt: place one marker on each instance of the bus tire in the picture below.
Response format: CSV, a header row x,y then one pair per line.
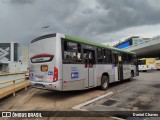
x,y
104,82
132,75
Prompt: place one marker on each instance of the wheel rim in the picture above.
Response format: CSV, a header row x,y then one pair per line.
x,y
105,84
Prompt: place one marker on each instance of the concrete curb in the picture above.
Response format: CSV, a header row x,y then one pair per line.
x,y
116,118
79,107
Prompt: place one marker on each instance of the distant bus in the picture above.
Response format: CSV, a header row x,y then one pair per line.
x,y
61,62
158,64
146,64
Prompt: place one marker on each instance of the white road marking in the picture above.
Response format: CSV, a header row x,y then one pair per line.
x,y
79,107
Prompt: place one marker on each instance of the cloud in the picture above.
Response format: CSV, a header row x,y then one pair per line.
x,y
96,20
123,14
16,2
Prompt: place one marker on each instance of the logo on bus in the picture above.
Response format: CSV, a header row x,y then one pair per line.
x,y
74,75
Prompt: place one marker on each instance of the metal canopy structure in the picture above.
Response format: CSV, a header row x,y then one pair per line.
x,y
150,48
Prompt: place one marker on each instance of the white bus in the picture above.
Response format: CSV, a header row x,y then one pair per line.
x,y
61,62
158,64
146,64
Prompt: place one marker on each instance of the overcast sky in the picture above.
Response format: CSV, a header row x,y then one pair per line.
x,y
100,21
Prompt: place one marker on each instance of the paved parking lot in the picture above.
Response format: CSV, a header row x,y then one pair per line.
x,y
141,94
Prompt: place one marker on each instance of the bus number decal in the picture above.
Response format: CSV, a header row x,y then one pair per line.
x,y
74,75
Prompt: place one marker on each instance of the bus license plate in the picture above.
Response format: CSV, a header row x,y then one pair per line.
x,y
38,79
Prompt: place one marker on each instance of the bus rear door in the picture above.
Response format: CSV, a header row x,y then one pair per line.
x,y
89,59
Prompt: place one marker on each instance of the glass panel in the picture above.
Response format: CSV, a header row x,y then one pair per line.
x,y
72,46
141,62
72,52
99,55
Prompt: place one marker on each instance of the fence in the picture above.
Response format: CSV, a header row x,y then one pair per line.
x,y
13,86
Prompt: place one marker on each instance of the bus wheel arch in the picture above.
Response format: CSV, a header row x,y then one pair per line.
x,y
104,81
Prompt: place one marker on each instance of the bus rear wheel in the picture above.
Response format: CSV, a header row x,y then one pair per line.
x,y
104,82
132,75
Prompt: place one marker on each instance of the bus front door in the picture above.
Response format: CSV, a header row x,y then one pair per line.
x,y
89,58
115,66
120,67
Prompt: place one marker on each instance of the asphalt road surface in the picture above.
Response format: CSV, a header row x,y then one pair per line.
x,y
142,94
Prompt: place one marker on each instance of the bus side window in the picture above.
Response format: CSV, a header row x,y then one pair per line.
x,y
125,58
72,52
115,59
65,46
100,55
131,59
78,57
91,58
66,56
85,57
107,56
135,61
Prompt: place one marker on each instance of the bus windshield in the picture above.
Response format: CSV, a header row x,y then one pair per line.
x,y
141,62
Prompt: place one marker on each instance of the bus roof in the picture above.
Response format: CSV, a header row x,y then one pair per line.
x,y
82,41
96,44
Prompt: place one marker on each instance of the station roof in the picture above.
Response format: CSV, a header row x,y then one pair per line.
x,y
149,48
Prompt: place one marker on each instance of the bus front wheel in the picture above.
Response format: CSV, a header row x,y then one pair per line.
x,y
104,82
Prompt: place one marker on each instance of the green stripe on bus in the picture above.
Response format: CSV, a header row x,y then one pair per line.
x,y
95,44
